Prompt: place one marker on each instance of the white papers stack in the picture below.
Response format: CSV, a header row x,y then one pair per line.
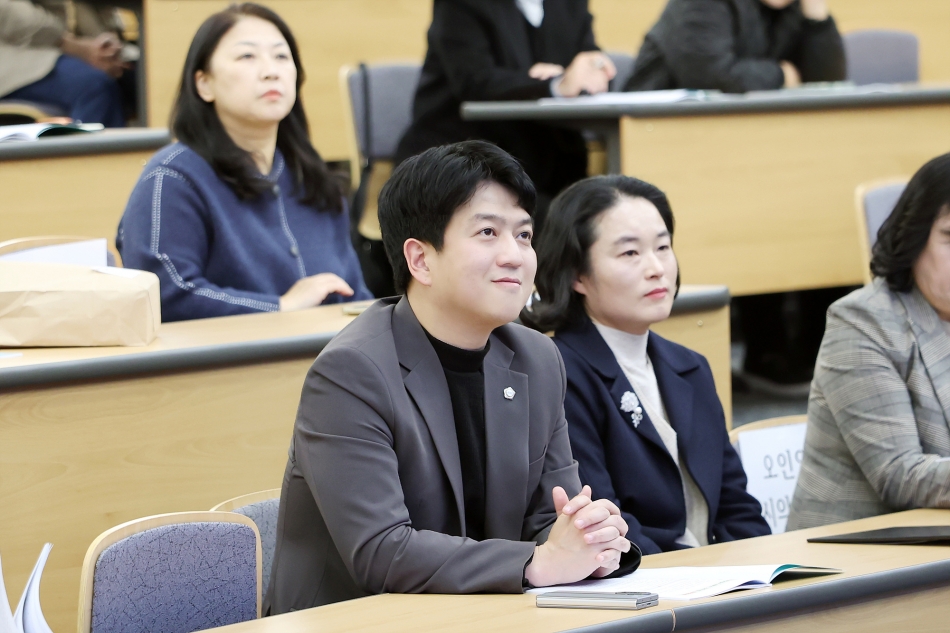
x,y
632,98
85,253
691,583
29,615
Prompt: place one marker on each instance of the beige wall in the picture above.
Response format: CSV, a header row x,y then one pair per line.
x,y
333,33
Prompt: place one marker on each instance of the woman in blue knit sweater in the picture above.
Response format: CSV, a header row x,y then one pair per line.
x,y
241,214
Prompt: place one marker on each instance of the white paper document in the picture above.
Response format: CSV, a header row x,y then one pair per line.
x,y
632,98
29,615
691,583
84,253
772,459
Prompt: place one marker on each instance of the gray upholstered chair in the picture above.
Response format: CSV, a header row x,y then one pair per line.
x,y
874,202
374,133
882,56
173,573
260,507
625,63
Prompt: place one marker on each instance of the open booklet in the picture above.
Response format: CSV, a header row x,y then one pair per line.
x,y
690,583
34,131
28,617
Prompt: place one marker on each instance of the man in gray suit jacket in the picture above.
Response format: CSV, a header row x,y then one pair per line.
x,y
430,451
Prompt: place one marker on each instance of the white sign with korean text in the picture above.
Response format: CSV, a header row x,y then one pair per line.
x,y
772,459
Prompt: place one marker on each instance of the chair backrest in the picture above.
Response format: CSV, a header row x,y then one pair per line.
x,y
390,89
624,63
62,249
771,452
874,203
260,507
882,56
174,573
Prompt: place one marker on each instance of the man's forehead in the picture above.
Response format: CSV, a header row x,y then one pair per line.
x,y
492,199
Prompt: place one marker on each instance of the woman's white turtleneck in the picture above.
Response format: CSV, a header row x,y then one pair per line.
x,y
630,350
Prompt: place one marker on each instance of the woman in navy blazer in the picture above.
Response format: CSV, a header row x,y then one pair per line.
x,y
645,422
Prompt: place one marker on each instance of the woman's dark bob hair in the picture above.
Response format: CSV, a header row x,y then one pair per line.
x,y
563,247
903,236
196,124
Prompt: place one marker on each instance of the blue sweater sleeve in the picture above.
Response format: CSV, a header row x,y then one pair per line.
x,y
164,231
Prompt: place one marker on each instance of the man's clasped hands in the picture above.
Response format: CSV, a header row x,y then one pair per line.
x,y
586,540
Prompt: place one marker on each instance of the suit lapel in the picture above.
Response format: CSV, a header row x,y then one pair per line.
x,y
506,444
514,34
677,395
425,382
933,342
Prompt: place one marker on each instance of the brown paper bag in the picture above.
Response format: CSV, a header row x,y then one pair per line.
x,y
61,305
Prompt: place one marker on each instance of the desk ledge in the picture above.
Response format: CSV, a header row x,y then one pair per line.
x,y
166,360
770,604
107,142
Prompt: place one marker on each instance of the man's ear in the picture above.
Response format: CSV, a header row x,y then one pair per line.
x,y
203,86
416,252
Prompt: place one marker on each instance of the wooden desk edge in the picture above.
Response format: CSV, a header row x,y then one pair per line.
x,y
699,299
780,102
166,360
108,142
768,604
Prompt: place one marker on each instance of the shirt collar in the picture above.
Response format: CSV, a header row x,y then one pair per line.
x,y
533,11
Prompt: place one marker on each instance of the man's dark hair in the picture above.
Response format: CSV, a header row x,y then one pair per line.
x,y
425,191
903,236
564,247
196,124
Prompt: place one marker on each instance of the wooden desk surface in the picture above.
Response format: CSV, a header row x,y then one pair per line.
x,y
869,571
335,33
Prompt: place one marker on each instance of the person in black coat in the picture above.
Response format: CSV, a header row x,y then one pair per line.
x,y
739,45
645,423
501,50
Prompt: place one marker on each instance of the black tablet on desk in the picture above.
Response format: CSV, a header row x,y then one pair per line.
x,y
917,535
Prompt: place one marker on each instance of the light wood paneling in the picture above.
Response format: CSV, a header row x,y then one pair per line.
x,y
919,611
334,33
81,458
765,202
708,334
330,34
75,195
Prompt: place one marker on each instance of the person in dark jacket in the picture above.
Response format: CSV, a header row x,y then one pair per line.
x,y
241,215
646,425
500,50
739,45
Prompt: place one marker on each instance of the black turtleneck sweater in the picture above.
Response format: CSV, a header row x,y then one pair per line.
x,y
466,379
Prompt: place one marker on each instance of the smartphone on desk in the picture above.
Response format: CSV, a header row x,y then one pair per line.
x,y
606,600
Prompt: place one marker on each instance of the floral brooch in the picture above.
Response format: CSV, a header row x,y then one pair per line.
x,y
629,403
